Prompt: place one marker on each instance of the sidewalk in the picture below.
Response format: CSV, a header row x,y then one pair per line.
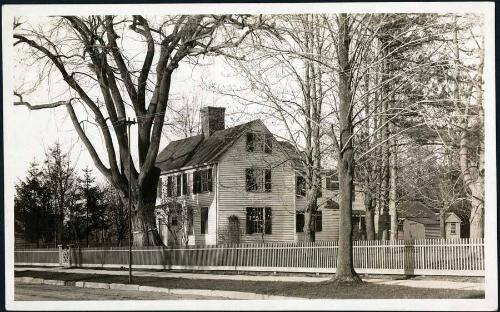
x,y
429,283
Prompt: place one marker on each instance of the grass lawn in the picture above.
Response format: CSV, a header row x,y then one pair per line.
x,y
320,290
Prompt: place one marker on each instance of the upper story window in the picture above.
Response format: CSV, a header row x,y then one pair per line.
x,y
258,180
332,184
259,142
300,187
202,181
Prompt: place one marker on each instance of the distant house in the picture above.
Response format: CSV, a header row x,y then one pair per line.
x,y
416,221
242,182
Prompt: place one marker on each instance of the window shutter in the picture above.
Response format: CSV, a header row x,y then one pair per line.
x,y
178,185
196,179
318,224
268,221
249,220
268,183
250,180
250,145
169,186
184,184
299,222
158,191
210,179
269,144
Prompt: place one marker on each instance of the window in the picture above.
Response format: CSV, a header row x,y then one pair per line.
x,y
400,226
259,220
259,142
159,188
258,180
300,186
317,221
184,184
453,228
204,220
202,181
332,184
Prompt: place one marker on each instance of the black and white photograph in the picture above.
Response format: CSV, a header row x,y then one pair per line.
x,y
258,156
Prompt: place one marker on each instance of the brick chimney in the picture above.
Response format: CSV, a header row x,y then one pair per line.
x,y
212,119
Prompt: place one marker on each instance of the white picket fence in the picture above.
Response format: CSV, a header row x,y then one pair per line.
x,y
422,257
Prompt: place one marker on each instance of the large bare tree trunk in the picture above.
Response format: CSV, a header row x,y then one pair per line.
x,y
144,228
369,217
345,267
393,187
472,169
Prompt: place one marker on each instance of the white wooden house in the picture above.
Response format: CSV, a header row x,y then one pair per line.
x,y
239,179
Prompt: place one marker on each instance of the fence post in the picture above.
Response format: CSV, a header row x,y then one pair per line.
x,y
60,255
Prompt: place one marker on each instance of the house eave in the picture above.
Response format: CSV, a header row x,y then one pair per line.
x,y
188,168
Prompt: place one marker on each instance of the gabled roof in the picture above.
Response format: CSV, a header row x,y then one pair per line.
x,y
291,152
415,209
198,150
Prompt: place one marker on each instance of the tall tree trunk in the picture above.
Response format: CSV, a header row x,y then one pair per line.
x,y
442,223
384,224
476,219
145,232
393,186
369,216
472,171
345,267
60,225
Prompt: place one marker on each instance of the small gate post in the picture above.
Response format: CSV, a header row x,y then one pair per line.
x,y
60,255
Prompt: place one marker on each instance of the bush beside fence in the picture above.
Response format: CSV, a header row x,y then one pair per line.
x,y
432,257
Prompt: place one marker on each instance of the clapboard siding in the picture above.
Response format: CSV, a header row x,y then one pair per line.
x,y
234,199
197,201
230,197
432,231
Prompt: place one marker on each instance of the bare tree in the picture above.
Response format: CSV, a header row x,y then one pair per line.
x,y
95,60
289,89
345,267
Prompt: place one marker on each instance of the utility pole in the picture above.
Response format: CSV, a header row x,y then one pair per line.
x,y
129,122
87,206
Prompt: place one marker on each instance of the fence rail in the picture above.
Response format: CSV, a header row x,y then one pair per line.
x,y
430,257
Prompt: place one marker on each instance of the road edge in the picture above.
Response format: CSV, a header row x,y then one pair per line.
x,y
235,295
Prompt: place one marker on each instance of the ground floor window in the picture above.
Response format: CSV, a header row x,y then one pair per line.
x,y
317,222
259,220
